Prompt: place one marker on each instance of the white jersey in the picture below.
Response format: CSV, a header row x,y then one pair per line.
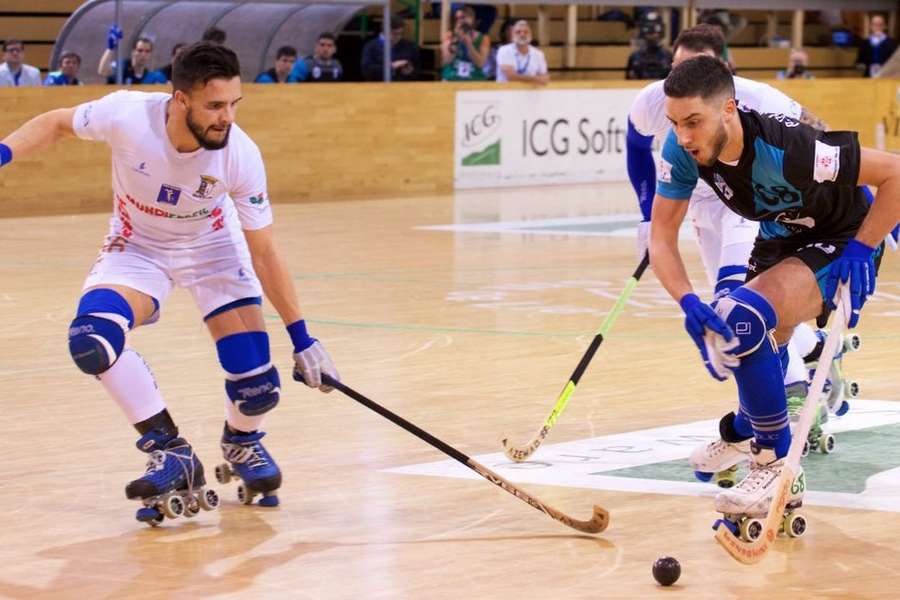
x,y
648,112
532,63
162,197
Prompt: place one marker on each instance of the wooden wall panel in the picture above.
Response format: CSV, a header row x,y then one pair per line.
x,y
346,141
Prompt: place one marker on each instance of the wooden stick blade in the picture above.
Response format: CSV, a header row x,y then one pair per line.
x,y
522,453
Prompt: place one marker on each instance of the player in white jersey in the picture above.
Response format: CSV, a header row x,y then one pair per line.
x,y
190,209
725,239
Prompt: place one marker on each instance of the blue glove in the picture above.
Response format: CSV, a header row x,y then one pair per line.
x,y
698,317
5,155
113,36
857,266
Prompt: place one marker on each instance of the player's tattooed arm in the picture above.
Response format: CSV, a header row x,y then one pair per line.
x,y
809,118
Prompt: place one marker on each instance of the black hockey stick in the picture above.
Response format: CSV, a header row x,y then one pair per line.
x,y
598,522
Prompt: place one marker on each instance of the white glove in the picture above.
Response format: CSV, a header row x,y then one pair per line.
x,y
643,239
717,350
314,361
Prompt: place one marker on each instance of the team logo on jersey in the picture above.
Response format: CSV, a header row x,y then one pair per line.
x,y
726,191
205,189
168,194
141,169
827,162
259,200
665,171
794,221
783,119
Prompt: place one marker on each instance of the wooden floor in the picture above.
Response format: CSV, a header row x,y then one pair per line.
x,y
469,334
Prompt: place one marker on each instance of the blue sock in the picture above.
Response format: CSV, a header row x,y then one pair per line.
x,y
759,377
783,357
742,424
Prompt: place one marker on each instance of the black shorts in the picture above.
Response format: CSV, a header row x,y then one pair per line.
x,y
817,255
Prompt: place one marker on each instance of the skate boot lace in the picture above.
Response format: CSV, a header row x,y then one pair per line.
x,y
251,454
758,476
157,461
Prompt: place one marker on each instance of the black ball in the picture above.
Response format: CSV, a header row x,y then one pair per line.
x,y
666,570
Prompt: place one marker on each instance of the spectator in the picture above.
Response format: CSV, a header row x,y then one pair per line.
x,y
136,70
651,61
875,50
281,72
322,66
166,71
404,56
214,35
506,37
464,51
520,61
14,72
797,65
69,64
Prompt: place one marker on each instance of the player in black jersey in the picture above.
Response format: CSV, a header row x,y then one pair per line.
x,y
816,229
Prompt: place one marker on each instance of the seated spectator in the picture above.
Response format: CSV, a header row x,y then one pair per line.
x,y
875,50
797,64
14,72
485,14
506,37
69,64
322,66
651,61
282,71
465,50
214,35
404,56
136,70
166,71
520,61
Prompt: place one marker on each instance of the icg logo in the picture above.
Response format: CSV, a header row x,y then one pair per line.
x,y
478,130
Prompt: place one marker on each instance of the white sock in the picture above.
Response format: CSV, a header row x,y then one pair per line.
x,y
238,420
804,339
796,369
131,384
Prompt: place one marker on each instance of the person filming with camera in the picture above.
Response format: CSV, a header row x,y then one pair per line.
x,y
464,51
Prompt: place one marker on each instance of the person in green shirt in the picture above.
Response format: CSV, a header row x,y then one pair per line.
x,y
464,51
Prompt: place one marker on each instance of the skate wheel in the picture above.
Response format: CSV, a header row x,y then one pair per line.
x,y
852,343
805,449
851,389
751,529
703,476
727,478
209,500
173,506
842,409
269,501
794,525
223,473
245,494
192,507
826,443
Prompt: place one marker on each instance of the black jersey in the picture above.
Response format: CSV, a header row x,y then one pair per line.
x,y
799,182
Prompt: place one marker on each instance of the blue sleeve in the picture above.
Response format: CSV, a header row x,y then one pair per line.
x,y
641,170
299,72
678,173
263,78
155,77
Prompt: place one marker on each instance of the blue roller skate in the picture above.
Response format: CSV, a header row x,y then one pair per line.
x,y
249,460
173,484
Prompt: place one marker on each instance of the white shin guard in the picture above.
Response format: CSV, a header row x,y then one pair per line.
x,y
132,385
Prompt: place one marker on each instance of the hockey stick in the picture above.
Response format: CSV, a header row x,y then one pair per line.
x,y
597,523
752,552
520,453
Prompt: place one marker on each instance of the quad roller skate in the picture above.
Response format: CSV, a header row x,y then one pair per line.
x,y
173,484
249,461
719,460
745,506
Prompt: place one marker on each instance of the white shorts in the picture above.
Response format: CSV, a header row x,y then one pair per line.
x,y
216,271
724,237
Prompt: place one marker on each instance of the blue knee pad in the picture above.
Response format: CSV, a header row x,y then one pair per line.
x,y
97,334
730,277
256,394
750,317
252,383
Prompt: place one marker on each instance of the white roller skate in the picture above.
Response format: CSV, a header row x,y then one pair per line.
x,y
744,507
719,460
818,438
